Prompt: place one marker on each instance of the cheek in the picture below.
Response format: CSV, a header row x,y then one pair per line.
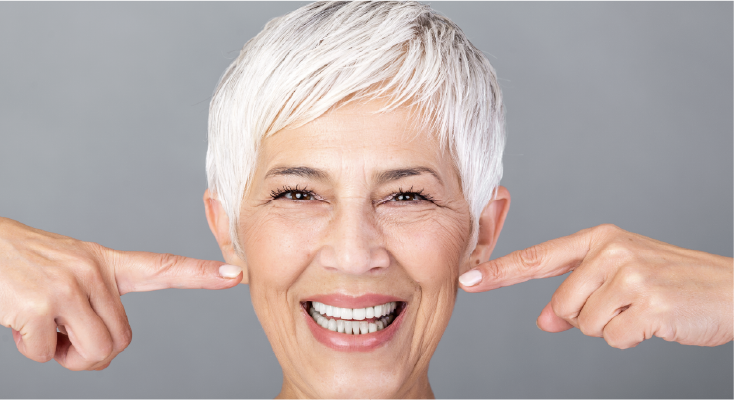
x,y
277,249
430,248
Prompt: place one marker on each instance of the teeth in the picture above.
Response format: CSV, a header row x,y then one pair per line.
x,y
351,321
358,313
378,311
348,327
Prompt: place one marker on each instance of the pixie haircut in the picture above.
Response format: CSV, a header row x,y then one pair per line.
x,y
328,54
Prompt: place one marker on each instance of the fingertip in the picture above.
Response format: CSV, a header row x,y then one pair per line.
x,y
229,271
548,321
470,278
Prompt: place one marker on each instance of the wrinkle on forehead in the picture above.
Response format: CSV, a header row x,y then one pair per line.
x,y
345,132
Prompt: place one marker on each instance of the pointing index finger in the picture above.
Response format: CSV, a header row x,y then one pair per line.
x,y
139,271
552,258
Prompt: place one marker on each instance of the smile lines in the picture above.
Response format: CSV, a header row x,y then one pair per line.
x,y
353,321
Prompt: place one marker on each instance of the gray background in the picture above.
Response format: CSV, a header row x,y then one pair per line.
x,y
617,113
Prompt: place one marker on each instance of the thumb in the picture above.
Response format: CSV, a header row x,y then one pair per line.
x,y
139,271
550,322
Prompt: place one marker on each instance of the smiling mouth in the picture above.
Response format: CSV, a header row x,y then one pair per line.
x,y
354,321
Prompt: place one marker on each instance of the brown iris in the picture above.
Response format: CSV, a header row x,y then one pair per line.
x,y
297,195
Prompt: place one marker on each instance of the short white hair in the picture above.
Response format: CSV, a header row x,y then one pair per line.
x,y
326,54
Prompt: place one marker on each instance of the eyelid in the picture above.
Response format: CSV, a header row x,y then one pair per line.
x,y
281,192
425,196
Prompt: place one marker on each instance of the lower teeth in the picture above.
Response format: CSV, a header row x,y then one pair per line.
x,y
351,327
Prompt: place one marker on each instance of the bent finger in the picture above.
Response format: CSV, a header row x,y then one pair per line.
x,y
88,341
110,309
37,339
601,307
137,271
626,330
573,293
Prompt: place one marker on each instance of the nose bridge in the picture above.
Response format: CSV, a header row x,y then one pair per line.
x,y
354,244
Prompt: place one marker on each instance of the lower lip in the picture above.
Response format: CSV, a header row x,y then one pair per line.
x,y
344,342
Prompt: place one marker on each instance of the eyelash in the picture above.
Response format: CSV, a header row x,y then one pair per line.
x,y
276,194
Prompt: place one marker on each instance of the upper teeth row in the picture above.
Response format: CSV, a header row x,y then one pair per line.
x,y
355,313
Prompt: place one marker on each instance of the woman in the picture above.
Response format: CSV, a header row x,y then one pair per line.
x,y
359,193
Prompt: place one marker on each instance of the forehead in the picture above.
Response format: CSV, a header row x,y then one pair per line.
x,y
357,135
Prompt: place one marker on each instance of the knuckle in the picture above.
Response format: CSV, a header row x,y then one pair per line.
x,y
618,253
657,304
126,337
167,260
561,308
584,324
66,288
613,339
87,269
493,273
38,306
632,277
101,353
532,257
41,357
608,229
174,265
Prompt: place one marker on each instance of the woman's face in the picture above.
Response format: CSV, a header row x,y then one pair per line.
x,y
354,210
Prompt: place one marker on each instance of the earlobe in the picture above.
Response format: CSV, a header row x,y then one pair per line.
x,y
490,225
219,225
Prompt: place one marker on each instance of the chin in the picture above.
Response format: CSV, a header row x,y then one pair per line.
x,y
356,347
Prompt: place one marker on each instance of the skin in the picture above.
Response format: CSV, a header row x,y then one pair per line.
x,y
623,287
50,281
353,236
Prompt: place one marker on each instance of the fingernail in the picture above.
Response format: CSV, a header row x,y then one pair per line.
x,y
471,278
229,271
536,324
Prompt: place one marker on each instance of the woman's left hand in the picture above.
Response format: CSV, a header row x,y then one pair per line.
x,y
623,287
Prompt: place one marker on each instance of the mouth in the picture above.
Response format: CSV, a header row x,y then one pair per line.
x,y
353,324
354,321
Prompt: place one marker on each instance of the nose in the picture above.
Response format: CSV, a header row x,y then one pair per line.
x,y
354,243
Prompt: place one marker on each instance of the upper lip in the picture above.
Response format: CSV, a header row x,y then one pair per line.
x,y
346,301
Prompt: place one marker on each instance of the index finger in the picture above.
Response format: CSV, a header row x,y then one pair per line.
x,y
552,258
140,271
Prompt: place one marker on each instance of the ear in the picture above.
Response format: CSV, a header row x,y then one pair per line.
x,y
219,225
490,225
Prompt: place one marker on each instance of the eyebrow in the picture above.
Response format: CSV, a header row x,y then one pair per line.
x,y
381,177
395,174
305,172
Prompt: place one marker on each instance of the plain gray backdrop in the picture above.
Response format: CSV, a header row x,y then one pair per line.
x,y
616,113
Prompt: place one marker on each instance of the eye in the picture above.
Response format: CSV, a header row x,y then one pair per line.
x,y
298,195
295,194
408,196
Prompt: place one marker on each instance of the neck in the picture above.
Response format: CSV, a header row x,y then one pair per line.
x,y
421,389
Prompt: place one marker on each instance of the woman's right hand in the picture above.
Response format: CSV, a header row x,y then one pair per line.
x,y
50,281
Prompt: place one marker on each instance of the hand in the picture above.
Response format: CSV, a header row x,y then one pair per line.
x,y
623,287
49,281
